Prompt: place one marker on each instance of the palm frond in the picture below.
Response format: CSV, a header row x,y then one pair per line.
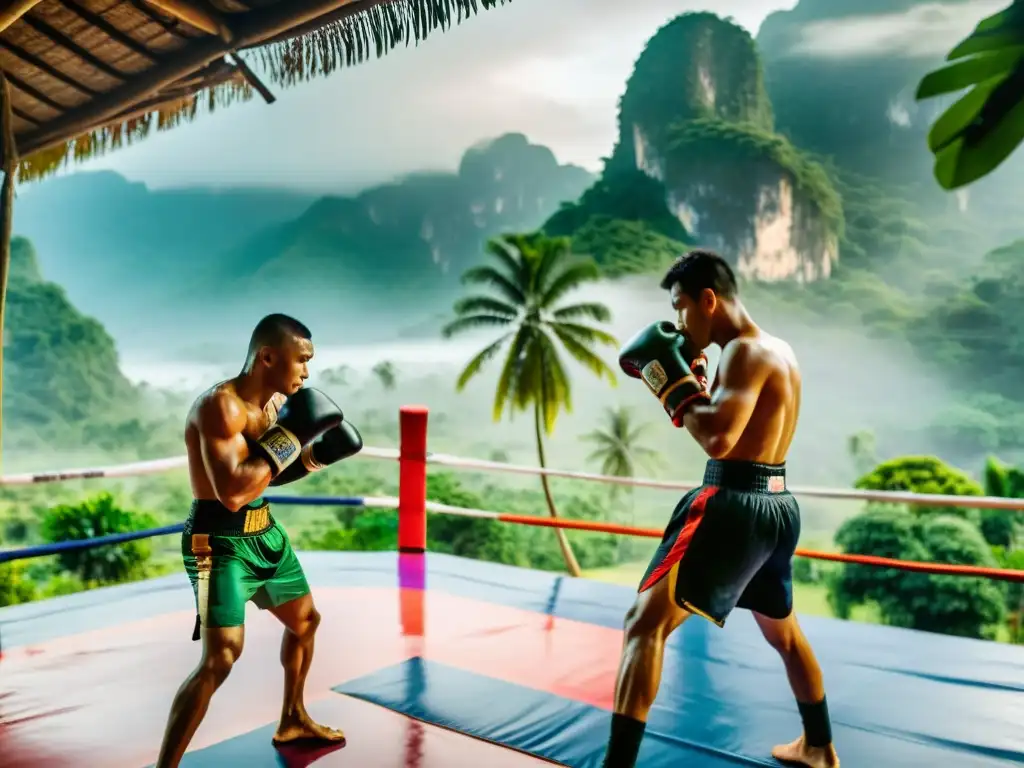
x,y
488,275
543,380
636,433
484,304
352,40
557,389
509,382
572,277
479,360
584,310
552,253
586,334
474,322
508,250
582,355
597,436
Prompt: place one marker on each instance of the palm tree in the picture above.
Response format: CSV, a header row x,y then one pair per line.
x,y
529,277
385,373
618,446
619,449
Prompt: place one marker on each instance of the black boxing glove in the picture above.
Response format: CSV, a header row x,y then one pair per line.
x,y
332,446
660,356
304,417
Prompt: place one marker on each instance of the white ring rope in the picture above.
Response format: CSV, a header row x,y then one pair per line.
x,y
157,466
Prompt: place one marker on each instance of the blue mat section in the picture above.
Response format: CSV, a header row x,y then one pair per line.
x,y
899,698
250,749
723,716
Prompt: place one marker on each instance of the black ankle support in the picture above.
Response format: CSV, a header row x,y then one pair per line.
x,y
817,725
624,744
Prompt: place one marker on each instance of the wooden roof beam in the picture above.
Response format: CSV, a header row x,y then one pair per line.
x,y
14,11
196,14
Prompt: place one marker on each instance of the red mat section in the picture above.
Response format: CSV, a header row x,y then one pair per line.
x,y
101,698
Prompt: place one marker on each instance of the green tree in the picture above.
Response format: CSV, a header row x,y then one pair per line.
x,y
978,132
969,607
15,585
529,278
385,373
470,536
1001,527
1014,591
924,475
99,516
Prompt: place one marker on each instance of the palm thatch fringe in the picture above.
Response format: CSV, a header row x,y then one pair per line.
x,y
346,42
132,129
353,39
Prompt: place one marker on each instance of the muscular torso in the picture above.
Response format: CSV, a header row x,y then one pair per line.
x,y
772,425
258,421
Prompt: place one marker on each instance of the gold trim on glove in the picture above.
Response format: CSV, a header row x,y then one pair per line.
x,y
664,395
309,461
280,446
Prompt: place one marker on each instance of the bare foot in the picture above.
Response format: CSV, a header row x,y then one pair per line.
x,y
303,730
798,753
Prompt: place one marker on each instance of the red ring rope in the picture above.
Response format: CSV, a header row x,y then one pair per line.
x,y
939,569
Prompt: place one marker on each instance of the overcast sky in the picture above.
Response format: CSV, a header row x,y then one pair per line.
x,y
552,69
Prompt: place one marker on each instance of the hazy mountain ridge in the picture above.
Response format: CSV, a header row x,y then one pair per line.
x,y
143,261
61,368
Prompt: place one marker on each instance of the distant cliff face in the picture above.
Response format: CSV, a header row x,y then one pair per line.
x,y
61,367
696,117
421,231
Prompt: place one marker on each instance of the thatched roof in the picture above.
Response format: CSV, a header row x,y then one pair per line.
x,y
85,76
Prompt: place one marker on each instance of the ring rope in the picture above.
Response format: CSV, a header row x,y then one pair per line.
x,y
157,466
390,502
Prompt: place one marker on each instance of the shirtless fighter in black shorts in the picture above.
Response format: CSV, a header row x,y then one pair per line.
x,y
730,542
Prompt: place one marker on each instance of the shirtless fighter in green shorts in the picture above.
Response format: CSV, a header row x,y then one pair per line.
x,y
730,542
260,428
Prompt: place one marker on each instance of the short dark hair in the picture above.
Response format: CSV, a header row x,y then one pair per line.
x,y
698,270
274,330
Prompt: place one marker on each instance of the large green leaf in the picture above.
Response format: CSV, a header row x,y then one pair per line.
x,y
952,123
964,74
989,139
987,143
998,31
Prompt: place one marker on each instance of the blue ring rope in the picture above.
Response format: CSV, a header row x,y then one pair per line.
x,y
71,545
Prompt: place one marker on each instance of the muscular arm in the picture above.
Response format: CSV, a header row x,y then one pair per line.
x,y
717,427
237,478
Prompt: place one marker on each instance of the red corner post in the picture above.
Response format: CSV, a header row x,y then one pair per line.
x,y
412,479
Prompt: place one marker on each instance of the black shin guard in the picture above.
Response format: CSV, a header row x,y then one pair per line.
x,y
624,744
817,725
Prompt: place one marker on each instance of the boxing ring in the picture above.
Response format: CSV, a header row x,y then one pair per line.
x,y
436,661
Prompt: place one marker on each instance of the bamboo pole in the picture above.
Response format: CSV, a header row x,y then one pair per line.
x,y
14,11
9,163
199,15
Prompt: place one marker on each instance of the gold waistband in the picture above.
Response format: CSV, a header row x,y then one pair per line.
x,y
214,519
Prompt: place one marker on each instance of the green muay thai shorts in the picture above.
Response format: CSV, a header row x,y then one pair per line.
x,y
234,557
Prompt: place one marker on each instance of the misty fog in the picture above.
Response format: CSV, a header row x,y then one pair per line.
x,y
851,383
